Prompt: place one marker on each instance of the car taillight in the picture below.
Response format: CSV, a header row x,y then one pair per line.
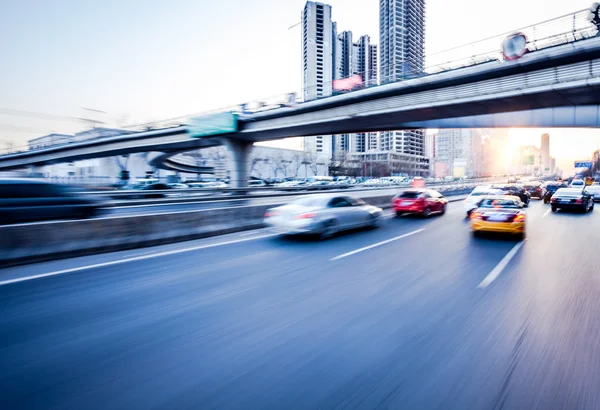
x,y
271,213
307,215
476,215
553,199
519,218
579,201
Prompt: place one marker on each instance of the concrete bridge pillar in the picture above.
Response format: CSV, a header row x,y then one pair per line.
x,y
35,171
239,161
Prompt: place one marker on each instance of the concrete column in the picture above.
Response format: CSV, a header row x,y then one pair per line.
x,y
35,171
239,161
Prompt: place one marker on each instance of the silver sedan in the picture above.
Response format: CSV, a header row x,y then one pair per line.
x,y
323,215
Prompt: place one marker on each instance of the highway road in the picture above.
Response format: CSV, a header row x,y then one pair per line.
x,y
414,315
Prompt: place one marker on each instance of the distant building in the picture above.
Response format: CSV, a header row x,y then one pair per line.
x,y
545,153
318,63
49,140
461,150
527,160
402,39
401,51
384,163
98,132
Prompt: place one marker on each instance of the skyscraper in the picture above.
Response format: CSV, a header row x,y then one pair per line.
x,y
373,66
355,58
401,50
402,38
317,63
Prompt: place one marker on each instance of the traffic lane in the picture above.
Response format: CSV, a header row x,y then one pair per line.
x,y
546,308
61,321
245,313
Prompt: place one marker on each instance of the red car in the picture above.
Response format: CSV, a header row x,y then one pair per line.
x,y
419,201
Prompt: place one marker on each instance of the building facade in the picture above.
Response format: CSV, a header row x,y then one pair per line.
x,y
461,150
402,39
317,64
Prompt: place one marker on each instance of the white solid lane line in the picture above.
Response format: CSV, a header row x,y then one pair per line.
x,y
132,259
375,245
546,213
500,266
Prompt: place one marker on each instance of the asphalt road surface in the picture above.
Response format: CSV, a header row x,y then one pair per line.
x,y
414,315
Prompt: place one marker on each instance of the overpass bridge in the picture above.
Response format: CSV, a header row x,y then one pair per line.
x,y
554,87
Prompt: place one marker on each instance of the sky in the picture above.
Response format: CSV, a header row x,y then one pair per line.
x,y
146,60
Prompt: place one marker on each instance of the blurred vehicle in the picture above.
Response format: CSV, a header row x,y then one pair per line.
x,y
551,188
472,201
323,215
515,190
177,185
535,189
572,198
512,180
499,213
594,191
257,183
577,183
419,201
23,200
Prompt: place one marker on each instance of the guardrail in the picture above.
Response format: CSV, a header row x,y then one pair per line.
x,y
135,194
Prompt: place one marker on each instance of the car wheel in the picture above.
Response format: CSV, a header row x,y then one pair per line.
x,y
554,209
476,234
329,230
375,222
426,213
592,207
521,236
398,214
443,211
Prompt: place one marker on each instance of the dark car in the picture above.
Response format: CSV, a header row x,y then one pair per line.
x,y
515,190
551,188
23,200
572,198
535,189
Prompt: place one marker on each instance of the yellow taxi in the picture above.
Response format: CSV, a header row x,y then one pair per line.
x,y
499,213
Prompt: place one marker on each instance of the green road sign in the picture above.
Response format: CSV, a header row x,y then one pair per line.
x,y
213,124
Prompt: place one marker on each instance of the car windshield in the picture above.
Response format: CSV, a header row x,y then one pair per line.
x,y
410,194
498,203
568,192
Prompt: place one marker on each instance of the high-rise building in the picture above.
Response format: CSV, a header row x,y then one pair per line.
x,y
373,60
402,39
461,150
317,64
355,58
401,51
545,154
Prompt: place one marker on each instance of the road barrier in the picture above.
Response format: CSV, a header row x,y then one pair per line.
x,y
35,242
